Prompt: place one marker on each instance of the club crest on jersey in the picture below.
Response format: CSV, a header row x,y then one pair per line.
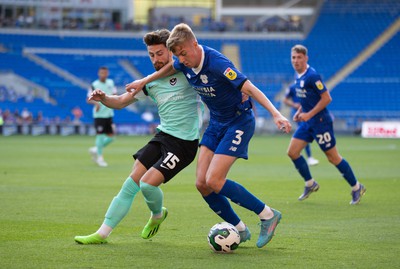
x,y
188,76
301,83
204,79
173,81
319,85
230,74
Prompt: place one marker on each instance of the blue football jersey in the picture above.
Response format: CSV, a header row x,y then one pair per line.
x,y
291,94
218,83
309,87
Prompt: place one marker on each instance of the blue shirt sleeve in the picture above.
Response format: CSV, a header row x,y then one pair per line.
x,y
228,72
317,84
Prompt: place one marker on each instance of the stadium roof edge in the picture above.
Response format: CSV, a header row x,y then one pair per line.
x,y
124,34
98,52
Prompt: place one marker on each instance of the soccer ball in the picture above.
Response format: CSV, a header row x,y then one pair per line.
x,y
223,238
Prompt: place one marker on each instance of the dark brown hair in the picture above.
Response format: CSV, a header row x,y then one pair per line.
x,y
156,37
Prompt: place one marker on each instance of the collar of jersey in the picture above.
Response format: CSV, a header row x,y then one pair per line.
x,y
198,69
302,74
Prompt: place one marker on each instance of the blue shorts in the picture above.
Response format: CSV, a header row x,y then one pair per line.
x,y
321,132
230,139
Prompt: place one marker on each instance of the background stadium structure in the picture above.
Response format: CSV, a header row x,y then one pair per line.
x,y
353,44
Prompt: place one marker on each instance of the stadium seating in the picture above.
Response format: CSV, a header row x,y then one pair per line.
x,y
342,30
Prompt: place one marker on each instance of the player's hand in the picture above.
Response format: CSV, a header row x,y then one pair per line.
x,y
135,86
283,123
296,115
245,97
304,117
97,95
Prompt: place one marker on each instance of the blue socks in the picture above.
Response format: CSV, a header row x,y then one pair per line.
x,y
219,203
302,167
121,203
308,150
343,167
347,172
239,195
221,206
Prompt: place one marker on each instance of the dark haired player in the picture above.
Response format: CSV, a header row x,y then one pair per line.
x,y
172,149
232,123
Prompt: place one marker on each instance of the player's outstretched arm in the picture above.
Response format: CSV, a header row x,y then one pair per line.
x,y
280,121
137,85
112,101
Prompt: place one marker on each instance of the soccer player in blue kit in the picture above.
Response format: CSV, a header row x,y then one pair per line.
x,y
292,100
230,129
317,124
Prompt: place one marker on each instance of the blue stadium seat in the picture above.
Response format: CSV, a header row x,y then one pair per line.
x,y
342,30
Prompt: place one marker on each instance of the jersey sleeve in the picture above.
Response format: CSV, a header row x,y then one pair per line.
x,y
317,84
113,88
140,96
289,92
227,70
90,90
177,65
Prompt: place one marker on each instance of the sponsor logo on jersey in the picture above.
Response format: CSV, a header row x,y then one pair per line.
x,y
173,81
205,91
301,93
204,79
168,97
230,74
319,85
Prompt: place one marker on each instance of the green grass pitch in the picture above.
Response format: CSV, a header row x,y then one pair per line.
x,y
51,191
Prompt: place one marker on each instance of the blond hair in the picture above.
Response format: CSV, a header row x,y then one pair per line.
x,y
300,49
180,34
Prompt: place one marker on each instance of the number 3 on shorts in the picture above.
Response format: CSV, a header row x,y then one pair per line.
x,y
238,137
324,138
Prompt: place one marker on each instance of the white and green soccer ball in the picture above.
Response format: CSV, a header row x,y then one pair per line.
x,y
223,238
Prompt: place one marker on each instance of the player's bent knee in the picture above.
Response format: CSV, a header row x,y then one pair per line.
x,y
201,186
214,185
293,155
334,161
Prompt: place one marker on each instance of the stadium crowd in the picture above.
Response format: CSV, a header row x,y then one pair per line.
x,y
207,24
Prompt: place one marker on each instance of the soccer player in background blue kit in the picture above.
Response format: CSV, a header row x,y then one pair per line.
x,y
230,129
291,100
314,98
